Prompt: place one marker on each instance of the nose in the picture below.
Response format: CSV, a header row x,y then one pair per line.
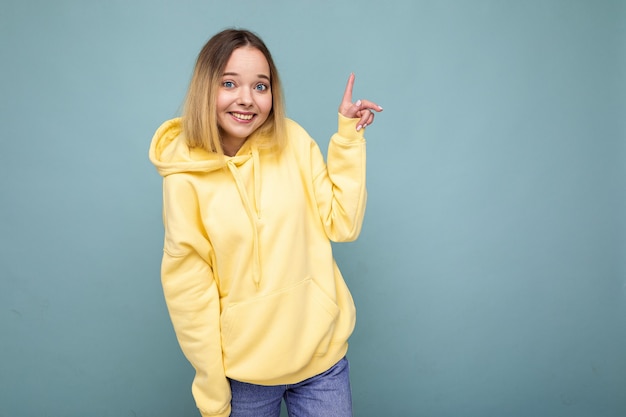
x,y
244,97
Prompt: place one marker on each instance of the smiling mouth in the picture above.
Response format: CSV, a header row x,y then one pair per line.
x,y
240,116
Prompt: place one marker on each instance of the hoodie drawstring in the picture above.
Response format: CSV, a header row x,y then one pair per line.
x,y
252,212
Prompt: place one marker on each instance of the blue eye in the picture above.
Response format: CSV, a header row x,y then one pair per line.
x,y
261,87
228,84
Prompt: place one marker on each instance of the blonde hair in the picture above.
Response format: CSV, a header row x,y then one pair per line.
x,y
200,125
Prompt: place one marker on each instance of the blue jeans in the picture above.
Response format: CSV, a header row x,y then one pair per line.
x,y
325,395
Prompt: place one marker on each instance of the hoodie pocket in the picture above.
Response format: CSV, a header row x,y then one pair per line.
x,y
278,334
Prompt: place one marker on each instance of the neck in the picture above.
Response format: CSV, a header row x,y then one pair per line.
x,y
231,148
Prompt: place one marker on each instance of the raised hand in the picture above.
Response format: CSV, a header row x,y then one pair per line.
x,y
363,109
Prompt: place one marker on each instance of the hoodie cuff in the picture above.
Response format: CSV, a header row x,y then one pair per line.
x,y
224,413
347,129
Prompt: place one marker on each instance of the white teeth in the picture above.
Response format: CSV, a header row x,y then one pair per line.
x,y
242,116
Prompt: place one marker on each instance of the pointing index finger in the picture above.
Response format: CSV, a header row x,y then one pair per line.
x,y
347,95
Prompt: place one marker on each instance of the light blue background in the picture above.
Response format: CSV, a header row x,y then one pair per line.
x,y
490,274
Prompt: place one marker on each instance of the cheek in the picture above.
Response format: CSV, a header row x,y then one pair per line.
x,y
266,105
221,102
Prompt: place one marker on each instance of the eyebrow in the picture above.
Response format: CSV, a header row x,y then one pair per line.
x,y
258,75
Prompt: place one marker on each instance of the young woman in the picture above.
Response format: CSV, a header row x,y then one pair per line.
x,y
258,304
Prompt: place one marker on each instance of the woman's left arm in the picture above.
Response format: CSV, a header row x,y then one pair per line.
x,y
340,184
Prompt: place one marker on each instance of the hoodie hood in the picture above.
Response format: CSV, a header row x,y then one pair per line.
x,y
170,154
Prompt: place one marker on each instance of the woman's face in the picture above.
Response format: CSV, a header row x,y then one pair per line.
x,y
244,100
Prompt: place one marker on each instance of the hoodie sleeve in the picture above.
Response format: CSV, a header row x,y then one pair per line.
x,y
191,295
340,185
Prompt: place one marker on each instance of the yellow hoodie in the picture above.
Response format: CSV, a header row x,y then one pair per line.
x,y
248,274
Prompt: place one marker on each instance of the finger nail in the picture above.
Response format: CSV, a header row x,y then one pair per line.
x,y
358,127
358,102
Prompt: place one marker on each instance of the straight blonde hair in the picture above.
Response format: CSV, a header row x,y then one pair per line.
x,y
200,125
